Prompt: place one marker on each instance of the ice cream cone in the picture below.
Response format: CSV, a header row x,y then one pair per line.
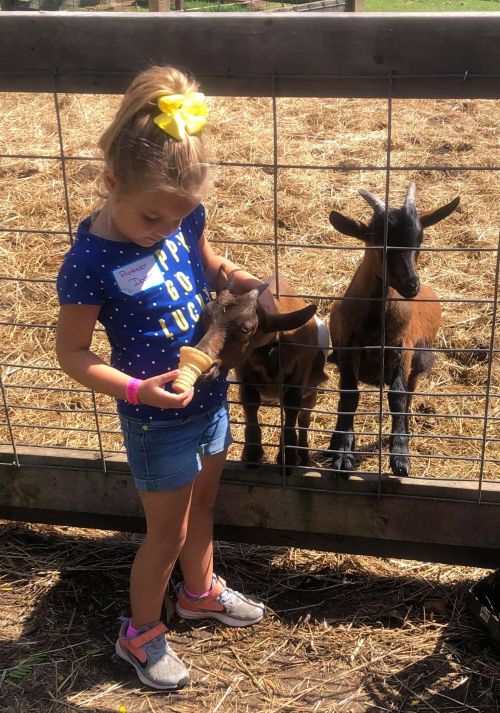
x,y
192,364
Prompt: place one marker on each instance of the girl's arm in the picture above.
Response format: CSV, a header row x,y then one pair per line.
x,y
74,337
243,281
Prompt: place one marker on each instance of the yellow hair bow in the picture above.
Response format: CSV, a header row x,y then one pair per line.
x,y
182,114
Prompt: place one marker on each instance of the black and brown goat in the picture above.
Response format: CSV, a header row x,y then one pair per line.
x,y
411,320
270,353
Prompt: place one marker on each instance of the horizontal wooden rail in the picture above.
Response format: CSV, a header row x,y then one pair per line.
x,y
421,519
289,54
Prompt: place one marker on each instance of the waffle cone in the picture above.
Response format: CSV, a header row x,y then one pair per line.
x,y
192,364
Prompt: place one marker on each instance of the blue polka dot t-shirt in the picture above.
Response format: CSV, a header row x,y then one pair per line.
x,y
151,300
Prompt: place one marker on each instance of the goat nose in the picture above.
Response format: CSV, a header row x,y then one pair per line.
x,y
413,287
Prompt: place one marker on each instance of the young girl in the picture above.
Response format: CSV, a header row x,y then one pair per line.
x,y
143,267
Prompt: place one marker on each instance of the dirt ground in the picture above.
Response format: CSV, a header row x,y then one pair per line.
x,y
347,634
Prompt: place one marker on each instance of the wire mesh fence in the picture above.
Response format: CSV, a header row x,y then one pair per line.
x,y
280,165
460,441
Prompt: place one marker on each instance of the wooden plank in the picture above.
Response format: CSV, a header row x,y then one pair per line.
x,y
159,5
446,554
363,484
311,54
354,5
344,520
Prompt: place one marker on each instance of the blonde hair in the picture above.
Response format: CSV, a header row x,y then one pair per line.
x,y
141,154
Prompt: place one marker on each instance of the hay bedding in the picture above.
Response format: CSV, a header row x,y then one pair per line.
x,y
311,133
347,634
348,133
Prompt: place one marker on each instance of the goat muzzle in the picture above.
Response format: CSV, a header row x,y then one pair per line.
x,y
409,291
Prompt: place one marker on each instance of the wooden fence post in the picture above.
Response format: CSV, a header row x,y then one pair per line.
x,y
159,5
354,5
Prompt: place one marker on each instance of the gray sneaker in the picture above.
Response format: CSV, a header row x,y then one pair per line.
x,y
221,603
151,656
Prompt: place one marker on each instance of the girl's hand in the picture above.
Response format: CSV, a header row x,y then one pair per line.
x,y
152,393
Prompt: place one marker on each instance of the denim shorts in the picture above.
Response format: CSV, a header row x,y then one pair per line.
x,y
165,455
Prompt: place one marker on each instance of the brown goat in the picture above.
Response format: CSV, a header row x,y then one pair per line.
x,y
267,351
410,324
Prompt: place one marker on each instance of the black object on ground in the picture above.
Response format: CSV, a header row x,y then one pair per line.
x,y
483,602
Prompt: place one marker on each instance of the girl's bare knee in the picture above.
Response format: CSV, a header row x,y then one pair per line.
x,y
163,546
204,502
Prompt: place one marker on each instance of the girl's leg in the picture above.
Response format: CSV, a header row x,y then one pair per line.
x,y
167,515
196,559
196,556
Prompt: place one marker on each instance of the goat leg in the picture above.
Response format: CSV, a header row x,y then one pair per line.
x,y
253,453
304,421
292,401
399,399
343,441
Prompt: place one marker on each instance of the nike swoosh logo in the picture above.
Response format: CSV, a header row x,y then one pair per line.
x,y
211,611
133,658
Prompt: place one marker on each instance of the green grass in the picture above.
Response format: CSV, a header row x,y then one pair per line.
x,y
431,5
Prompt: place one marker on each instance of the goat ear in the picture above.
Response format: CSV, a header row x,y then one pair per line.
x,y
222,280
430,217
284,322
349,226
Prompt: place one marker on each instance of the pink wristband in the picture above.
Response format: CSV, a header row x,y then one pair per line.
x,y
131,391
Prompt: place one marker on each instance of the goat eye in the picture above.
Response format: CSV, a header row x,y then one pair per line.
x,y
245,328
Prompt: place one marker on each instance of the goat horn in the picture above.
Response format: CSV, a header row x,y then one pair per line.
x,y
230,281
375,203
410,197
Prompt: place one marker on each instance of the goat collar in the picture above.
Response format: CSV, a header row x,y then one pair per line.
x,y
265,339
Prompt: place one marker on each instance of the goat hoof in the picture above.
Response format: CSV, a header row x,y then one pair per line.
x,y
343,465
291,459
400,465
